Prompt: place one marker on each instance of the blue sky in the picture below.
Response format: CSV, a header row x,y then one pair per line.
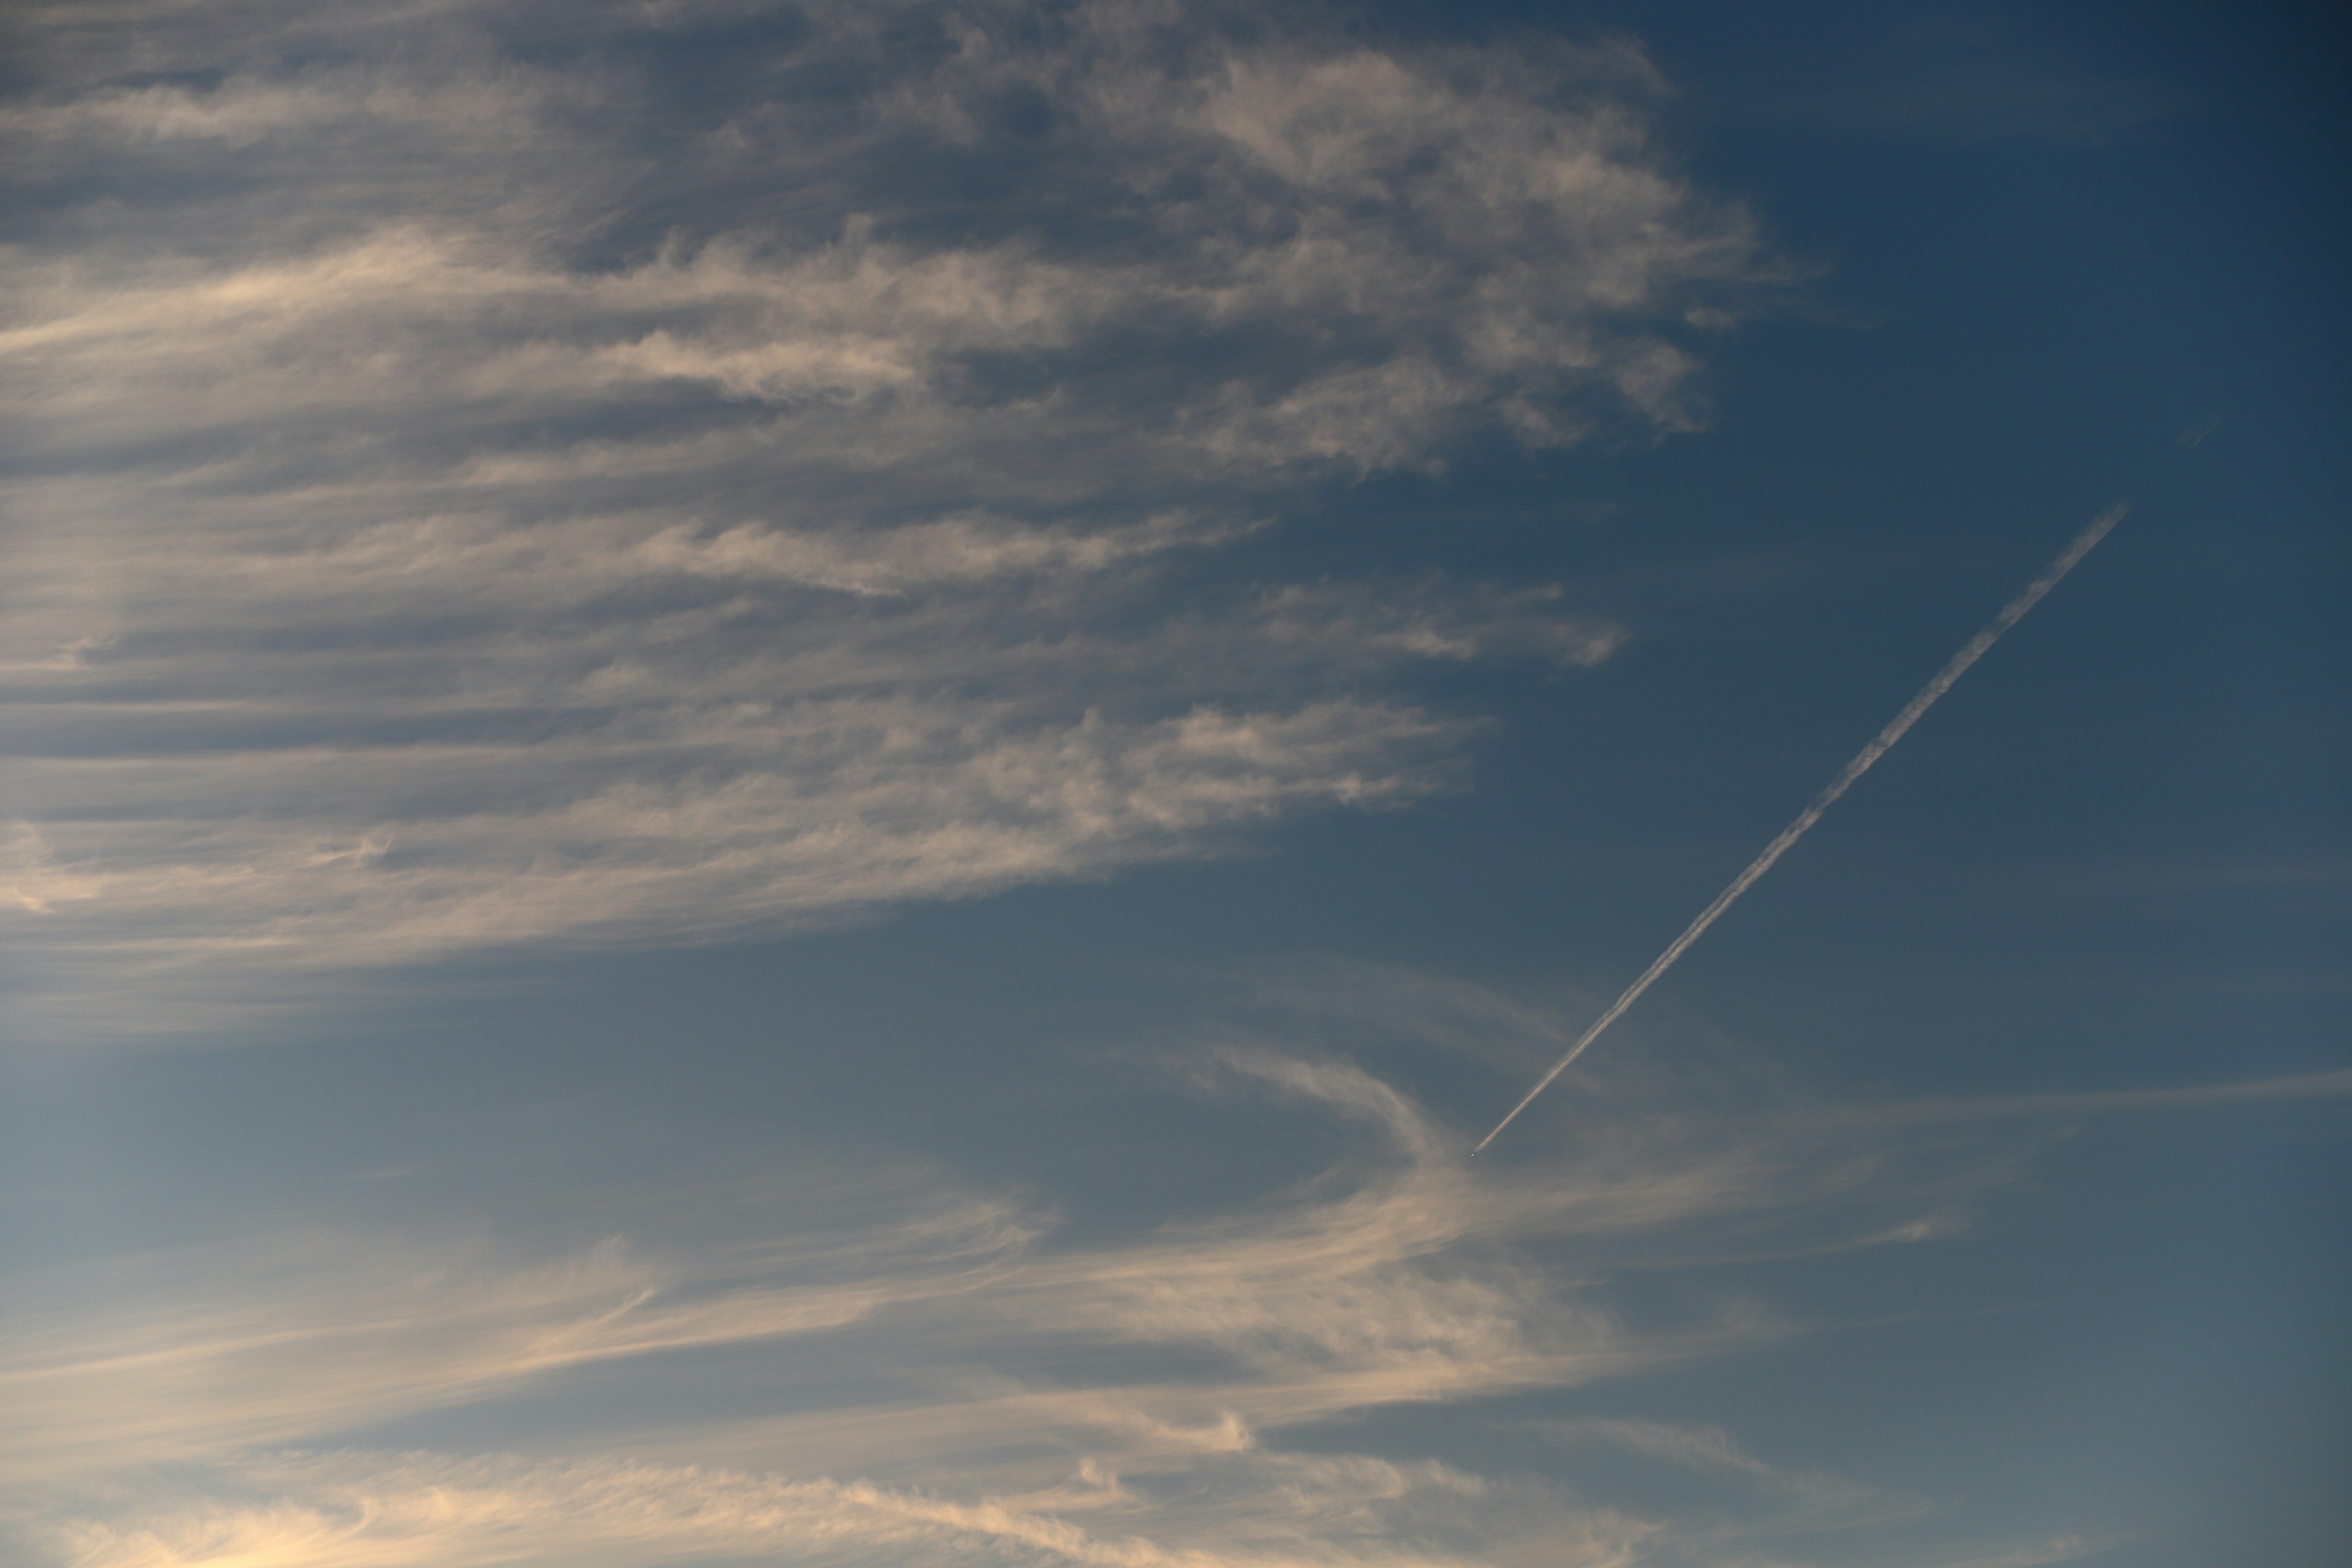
x,y
785,783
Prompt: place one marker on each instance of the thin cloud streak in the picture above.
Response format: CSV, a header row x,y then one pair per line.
x,y
936,1373
2301,1085
1974,650
1132,1400
432,537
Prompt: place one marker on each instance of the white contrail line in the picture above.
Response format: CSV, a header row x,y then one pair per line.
x,y
2012,613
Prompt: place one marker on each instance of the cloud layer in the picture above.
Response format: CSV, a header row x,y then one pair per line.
x,y
832,1355
900,1369
500,476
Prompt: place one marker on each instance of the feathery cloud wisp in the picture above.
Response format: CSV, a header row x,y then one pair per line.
x,y
487,501
942,1377
1131,1399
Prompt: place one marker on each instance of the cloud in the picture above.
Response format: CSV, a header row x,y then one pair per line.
x,y
937,1373
2301,1085
878,1361
392,1511
273,1340
507,489
190,1352
885,798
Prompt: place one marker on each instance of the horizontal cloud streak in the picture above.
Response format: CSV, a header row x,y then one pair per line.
x,y
943,1377
859,508
967,1407
418,1510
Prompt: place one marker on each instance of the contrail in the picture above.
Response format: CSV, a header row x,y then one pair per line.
x,y
2012,613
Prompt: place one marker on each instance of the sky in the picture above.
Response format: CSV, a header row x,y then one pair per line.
x,y
785,783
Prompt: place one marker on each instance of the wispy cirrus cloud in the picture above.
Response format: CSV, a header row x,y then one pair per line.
x,y
471,495
949,1381
891,1365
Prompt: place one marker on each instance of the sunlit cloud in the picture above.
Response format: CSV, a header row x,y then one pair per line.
x,y
983,1432
942,1376
501,491
435,535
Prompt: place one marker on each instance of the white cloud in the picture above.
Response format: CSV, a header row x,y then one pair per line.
x,y
190,1355
473,495
879,1366
989,1391
420,1511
